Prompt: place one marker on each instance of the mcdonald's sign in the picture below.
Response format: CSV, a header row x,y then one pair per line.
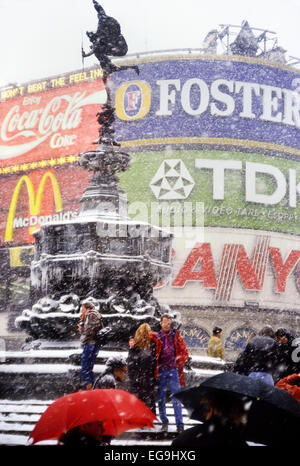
x,y
34,201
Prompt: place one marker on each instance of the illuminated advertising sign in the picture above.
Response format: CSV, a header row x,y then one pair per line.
x,y
197,100
50,119
237,189
231,267
34,202
223,132
29,201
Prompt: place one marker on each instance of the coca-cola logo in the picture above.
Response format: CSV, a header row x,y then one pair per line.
x,y
61,113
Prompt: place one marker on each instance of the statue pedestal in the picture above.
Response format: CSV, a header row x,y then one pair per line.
x,y
100,255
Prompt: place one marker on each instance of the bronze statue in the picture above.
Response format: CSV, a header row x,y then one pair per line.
x,y
107,40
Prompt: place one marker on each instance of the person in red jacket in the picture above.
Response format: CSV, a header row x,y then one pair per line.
x,y
171,357
291,384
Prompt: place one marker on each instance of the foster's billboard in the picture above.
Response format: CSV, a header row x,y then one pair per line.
x,y
222,101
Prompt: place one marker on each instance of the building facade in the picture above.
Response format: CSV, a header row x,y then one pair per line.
x,y
215,145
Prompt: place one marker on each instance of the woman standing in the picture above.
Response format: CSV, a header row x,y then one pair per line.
x,y
141,363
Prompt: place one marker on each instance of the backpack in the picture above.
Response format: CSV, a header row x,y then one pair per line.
x,y
103,336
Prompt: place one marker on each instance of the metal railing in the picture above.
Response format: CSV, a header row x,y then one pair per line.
x,y
289,60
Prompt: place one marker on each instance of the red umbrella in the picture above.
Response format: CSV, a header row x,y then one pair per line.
x,y
119,410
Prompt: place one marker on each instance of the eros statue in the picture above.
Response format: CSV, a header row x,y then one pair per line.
x,y
107,40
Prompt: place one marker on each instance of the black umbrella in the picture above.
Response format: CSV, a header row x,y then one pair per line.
x,y
272,417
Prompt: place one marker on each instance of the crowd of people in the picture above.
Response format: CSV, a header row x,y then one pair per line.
x,y
157,360
153,358
269,356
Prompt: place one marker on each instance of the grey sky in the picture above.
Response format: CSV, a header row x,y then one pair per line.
x,y
41,38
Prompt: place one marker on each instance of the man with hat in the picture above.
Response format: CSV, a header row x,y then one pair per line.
x,y
215,348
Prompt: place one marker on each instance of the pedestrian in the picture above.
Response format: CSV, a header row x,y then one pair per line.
x,y
85,435
291,384
252,335
143,349
215,348
171,358
225,421
113,374
286,364
89,326
260,357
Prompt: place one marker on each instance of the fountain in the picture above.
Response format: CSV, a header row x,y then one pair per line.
x,y
102,255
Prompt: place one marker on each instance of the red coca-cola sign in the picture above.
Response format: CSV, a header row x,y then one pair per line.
x,y
50,123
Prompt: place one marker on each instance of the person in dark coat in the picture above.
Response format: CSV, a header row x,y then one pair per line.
x,y
142,364
224,425
260,357
287,365
85,435
113,374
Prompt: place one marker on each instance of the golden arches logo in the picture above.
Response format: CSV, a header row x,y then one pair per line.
x,y
34,200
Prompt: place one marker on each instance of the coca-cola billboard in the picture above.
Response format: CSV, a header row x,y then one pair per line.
x,y
49,119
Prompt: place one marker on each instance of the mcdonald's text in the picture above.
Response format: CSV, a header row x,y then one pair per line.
x,y
38,220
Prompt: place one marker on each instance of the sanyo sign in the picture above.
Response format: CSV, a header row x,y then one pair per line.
x,y
283,184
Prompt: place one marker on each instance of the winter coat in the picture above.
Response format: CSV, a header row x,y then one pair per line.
x,y
215,348
291,384
141,365
92,323
211,433
286,365
75,438
260,355
181,354
105,380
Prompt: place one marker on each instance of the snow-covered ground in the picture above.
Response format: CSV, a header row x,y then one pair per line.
x,y
18,417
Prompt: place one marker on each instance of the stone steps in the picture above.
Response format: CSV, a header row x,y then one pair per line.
x,y
18,418
29,380
72,356
51,373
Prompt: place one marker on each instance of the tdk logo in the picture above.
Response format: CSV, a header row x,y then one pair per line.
x,y
172,181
